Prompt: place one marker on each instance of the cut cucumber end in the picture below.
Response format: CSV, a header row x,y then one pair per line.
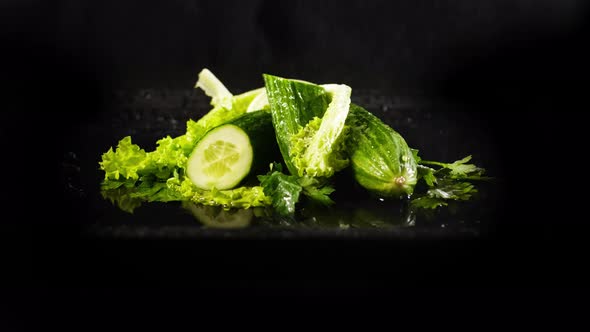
x,y
221,159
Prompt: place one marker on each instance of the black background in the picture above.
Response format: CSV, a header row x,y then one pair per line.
x,y
519,66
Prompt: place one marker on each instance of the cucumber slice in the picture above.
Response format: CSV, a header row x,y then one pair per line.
x,y
228,153
221,159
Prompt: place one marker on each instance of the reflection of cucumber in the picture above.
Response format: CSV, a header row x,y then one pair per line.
x,y
381,160
216,217
229,152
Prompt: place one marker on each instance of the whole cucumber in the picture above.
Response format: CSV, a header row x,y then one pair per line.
x,y
380,158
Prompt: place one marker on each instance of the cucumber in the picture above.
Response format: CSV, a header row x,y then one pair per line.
x,y
293,104
380,158
228,153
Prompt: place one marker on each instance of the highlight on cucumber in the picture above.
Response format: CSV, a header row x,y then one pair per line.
x,y
277,145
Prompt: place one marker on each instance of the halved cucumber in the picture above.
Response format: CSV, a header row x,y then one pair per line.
x,y
226,154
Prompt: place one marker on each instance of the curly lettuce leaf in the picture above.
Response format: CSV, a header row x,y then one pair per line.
x,y
134,175
241,197
125,162
129,161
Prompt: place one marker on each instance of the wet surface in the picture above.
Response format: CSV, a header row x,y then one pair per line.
x,y
440,131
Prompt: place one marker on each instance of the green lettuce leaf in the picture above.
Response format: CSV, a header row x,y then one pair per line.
x,y
129,161
134,175
125,162
241,197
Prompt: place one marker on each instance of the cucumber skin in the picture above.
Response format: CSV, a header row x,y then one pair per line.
x,y
259,128
380,158
293,104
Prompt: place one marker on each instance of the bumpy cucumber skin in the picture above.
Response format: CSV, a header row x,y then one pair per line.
x,y
293,104
259,128
380,158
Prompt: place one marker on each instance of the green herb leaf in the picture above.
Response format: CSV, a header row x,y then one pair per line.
x,y
427,174
427,202
316,190
448,183
459,169
284,190
320,195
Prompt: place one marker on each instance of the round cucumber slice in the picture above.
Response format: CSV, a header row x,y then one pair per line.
x,y
221,159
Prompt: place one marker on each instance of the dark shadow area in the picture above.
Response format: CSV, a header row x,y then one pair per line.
x,y
528,90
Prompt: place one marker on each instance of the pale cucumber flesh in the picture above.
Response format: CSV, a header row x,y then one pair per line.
x,y
221,159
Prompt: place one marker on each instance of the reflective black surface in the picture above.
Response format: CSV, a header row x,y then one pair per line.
x,y
360,238
441,131
502,80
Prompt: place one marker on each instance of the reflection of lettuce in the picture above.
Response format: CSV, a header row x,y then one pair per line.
x,y
174,189
120,197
